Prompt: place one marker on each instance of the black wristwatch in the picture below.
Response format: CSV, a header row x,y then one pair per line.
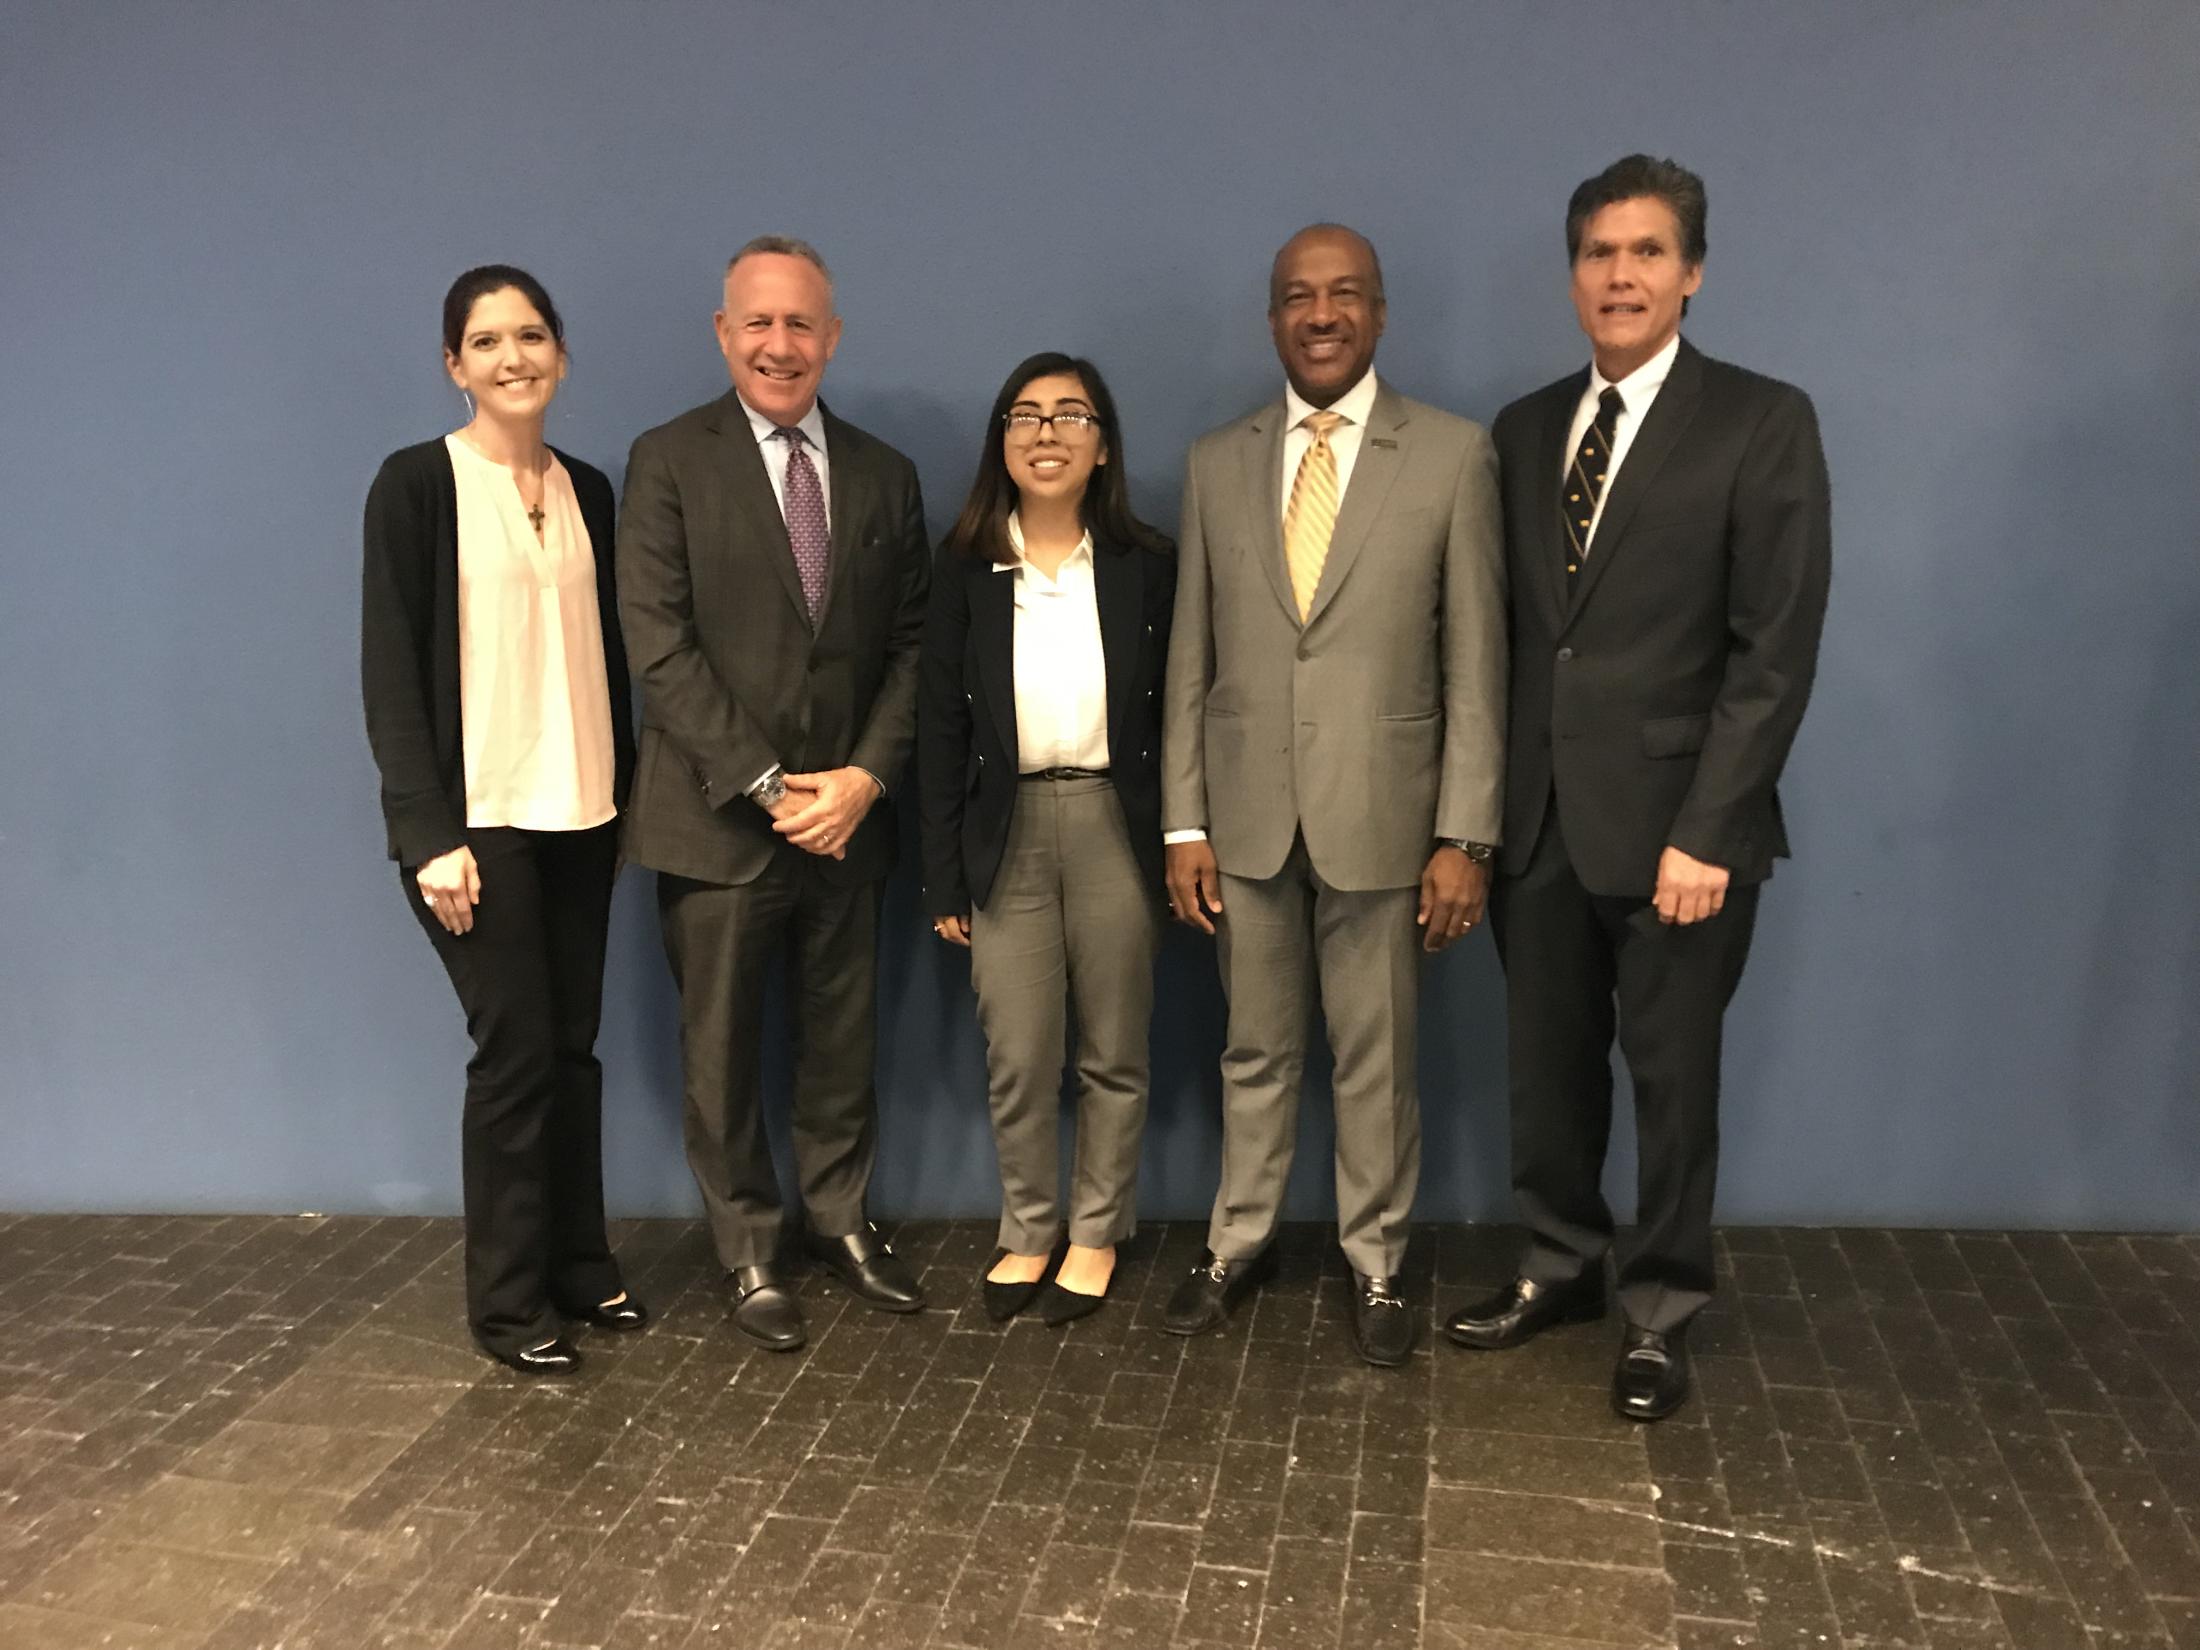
x,y
1480,852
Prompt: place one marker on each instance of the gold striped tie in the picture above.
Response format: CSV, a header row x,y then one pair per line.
x,y
1311,516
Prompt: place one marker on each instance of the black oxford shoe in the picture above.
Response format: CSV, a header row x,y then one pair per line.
x,y
1652,1378
863,1262
554,1357
764,1309
1382,1324
1205,1300
623,1315
1523,1309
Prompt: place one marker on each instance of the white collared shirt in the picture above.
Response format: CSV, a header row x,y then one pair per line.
x,y
775,452
1344,441
1061,673
1637,390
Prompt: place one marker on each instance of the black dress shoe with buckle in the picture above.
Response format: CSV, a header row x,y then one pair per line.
x,y
1523,1309
863,1262
1652,1378
1205,1300
553,1357
1382,1324
622,1315
764,1309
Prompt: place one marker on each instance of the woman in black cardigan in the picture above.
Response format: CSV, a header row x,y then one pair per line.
x,y
1039,760
496,701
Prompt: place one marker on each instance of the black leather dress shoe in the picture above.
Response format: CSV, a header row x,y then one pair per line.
x,y
866,1265
1004,1300
764,1309
1205,1300
556,1357
1652,1378
623,1315
1382,1323
1523,1309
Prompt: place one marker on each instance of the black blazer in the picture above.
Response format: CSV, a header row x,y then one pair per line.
x,y
966,732
408,644
733,678
1660,696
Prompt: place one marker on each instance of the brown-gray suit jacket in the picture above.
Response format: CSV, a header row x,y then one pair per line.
x,y
1375,727
732,677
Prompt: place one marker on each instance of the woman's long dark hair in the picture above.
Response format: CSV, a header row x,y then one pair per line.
x,y
982,528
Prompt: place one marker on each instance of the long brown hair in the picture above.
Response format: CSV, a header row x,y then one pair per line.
x,y
982,528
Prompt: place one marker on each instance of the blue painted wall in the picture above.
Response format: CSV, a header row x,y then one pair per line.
x,y
1972,232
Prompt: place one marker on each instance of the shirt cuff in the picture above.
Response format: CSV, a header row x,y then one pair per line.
x,y
1170,839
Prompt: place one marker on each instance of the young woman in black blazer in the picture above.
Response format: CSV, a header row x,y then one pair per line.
x,y
496,702
1039,758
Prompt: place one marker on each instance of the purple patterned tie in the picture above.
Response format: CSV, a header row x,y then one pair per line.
x,y
806,520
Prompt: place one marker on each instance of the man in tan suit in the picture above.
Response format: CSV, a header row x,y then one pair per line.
x,y
1332,755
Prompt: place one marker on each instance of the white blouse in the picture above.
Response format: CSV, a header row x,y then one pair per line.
x,y
533,702
1060,670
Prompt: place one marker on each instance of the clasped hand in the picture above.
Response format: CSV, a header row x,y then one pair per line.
x,y
821,811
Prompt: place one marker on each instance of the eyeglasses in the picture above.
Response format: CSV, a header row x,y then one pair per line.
x,y
1025,426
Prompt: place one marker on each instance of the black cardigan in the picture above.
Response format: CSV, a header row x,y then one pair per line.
x,y
408,645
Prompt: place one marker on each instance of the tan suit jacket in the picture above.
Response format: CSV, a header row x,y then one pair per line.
x,y
1377,726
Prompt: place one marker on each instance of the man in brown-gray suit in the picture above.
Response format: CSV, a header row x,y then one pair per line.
x,y
772,578
1332,754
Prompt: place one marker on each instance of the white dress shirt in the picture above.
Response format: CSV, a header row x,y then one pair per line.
x,y
1344,441
1344,445
775,451
1637,390
1061,672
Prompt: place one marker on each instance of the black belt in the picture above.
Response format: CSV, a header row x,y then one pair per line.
x,y
1064,773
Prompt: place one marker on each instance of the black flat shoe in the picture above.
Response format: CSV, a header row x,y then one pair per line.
x,y
1058,1306
622,1316
1004,1300
555,1357
1652,1378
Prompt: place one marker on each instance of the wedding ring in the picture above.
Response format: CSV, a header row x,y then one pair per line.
x,y
428,900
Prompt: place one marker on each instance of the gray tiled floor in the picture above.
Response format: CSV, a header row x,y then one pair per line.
x,y
228,1433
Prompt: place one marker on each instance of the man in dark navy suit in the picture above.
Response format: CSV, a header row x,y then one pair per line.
x,y
1667,533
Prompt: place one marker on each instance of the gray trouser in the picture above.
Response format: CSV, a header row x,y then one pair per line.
x,y
1069,918
1282,938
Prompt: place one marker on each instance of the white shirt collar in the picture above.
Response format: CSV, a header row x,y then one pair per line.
x,y
1355,404
812,423
1641,386
1016,543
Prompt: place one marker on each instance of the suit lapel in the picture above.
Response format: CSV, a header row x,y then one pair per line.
x,y
993,639
1668,419
1262,451
755,508
1118,578
850,489
1373,471
1548,460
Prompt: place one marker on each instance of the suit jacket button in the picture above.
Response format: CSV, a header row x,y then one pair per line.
x,y
1565,655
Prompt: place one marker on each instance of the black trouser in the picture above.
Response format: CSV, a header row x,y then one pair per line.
x,y
1571,958
530,977
720,941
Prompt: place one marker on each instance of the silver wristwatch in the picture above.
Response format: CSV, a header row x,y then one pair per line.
x,y
768,790
1480,852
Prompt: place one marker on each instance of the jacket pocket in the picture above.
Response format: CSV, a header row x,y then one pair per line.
x,y
1675,735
